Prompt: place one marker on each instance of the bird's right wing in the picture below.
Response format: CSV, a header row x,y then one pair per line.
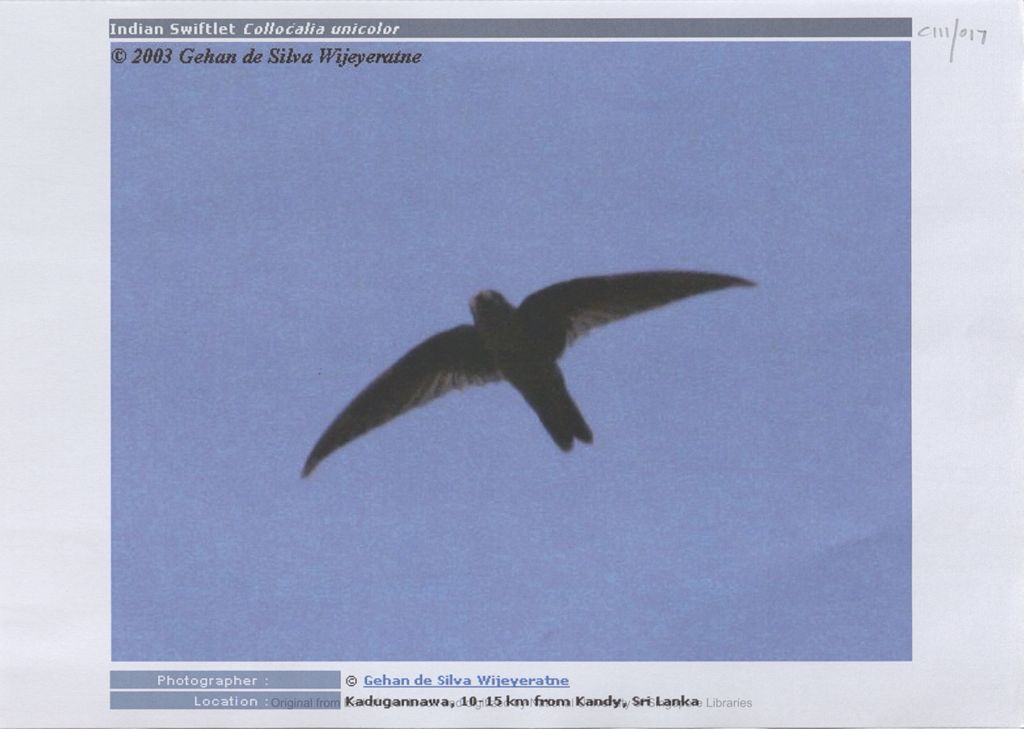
x,y
560,314
451,360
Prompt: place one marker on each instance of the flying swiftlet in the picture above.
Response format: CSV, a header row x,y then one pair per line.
x,y
520,345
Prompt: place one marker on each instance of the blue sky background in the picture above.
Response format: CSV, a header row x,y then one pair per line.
x,y
283,234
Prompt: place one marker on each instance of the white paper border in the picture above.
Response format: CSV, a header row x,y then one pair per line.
x,y
968,321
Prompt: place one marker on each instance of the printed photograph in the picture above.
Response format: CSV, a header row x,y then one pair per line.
x,y
511,351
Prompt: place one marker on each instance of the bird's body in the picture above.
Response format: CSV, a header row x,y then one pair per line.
x,y
522,362
518,345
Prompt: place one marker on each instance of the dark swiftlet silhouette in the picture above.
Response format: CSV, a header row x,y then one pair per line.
x,y
519,345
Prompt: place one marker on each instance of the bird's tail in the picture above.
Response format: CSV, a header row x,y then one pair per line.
x,y
559,413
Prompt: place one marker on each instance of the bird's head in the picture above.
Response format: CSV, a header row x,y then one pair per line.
x,y
489,308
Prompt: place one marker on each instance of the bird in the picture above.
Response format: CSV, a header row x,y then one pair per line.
x,y
519,345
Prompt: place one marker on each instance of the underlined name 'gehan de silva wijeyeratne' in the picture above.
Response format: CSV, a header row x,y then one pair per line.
x,y
492,680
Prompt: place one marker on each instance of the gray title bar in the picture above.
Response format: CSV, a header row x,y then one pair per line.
x,y
384,29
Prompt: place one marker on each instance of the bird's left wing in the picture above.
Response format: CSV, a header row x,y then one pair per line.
x,y
451,360
558,315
